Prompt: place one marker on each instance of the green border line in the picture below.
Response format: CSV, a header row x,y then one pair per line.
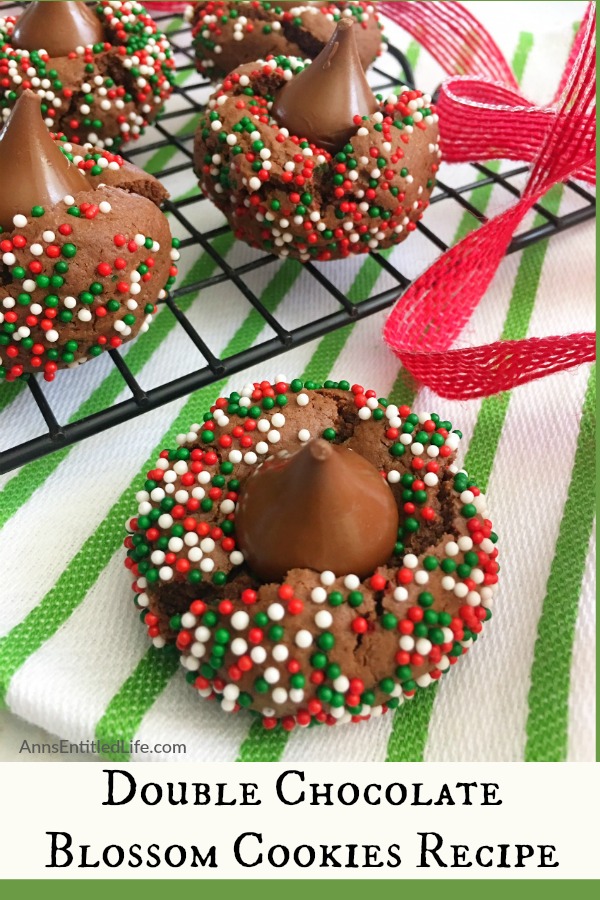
x,y
275,888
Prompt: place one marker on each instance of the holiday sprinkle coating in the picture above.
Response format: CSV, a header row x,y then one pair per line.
x,y
287,196
226,34
48,318
319,647
104,94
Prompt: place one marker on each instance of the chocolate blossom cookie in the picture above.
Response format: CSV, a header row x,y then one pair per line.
x,y
314,552
103,71
85,250
304,161
225,34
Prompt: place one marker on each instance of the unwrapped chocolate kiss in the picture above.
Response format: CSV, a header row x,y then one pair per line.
x,y
325,508
56,27
33,171
321,102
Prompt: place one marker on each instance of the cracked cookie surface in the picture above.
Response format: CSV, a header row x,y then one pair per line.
x,y
287,196
225,34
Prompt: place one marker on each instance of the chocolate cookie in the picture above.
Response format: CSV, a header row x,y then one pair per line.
x,y
305,162
85,249
226,35
262,548
103,71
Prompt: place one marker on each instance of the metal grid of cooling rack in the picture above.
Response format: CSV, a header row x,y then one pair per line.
x,y
215,368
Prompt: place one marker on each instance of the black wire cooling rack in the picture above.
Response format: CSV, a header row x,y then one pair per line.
x,y
215,368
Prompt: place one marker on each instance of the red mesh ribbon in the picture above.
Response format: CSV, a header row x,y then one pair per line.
x,y
486,120
430,316
453,36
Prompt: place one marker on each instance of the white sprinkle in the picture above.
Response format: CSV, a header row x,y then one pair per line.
x,y
341,684
303,639
473,598
280,653
352,582
271,675
423,646
240,620
258,655
276,612
202,634
238,646
279,695
323,619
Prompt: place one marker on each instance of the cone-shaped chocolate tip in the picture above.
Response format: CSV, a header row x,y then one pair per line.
x,y
33,171
320,449
323,508
320,103
57,27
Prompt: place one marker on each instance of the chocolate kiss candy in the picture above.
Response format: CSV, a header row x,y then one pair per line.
x,y
323,508
56,27
320,103
33,171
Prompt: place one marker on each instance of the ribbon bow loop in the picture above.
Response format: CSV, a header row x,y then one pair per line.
x,y
483,116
